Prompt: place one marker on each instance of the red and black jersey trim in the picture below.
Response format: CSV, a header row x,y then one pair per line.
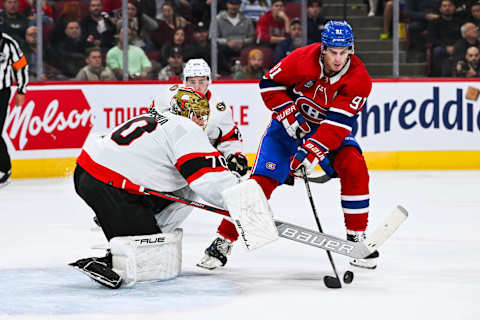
x,y
107,175
194,165
232,135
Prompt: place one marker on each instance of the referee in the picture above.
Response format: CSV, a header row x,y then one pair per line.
x,y
12,63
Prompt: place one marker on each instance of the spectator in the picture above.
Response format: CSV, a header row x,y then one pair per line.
x,y
388,17
292,42
315,21
254,9
94,71
70,52
419,12
469,34
178,41
443,33
13,22
201,10
30,52
151,8
141,26
31,13
234,30
475,14
469,66
23,6
200,47
97,28
174,68
71,12
254,68
138,63
167,26
272,26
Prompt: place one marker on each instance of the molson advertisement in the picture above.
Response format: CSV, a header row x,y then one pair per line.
x,y
405,124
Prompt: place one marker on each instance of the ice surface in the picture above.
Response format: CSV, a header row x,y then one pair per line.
x,y
429,269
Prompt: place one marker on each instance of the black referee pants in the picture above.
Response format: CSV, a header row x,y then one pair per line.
x,y
5,163
119,213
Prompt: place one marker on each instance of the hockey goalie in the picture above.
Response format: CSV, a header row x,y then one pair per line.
x,y
166,151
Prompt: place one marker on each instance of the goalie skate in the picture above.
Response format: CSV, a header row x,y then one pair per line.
x,y
216,254
99,270
369,262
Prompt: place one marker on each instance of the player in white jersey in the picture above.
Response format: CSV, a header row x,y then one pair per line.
x,y
225,136
221,130
165,151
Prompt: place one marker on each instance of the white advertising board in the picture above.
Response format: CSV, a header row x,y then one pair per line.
x,y
399,116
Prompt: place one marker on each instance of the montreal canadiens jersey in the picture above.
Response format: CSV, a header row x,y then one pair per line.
x,y
160,151
329,104
222,132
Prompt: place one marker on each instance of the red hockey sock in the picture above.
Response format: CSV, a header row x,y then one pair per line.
x,y
352,170
227,230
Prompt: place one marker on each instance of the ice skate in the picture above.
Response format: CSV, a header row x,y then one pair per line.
x,y
4,178
369,262
216,254
99,270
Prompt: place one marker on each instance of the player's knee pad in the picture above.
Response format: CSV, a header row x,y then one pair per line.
x,y
147,257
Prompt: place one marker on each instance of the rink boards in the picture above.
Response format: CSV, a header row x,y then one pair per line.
x,y
405,124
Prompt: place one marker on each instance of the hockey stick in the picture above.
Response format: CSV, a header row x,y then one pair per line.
x,y
330,282
313,238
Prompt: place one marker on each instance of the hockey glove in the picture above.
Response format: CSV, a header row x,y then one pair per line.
x,y
292,120
238,163
309,155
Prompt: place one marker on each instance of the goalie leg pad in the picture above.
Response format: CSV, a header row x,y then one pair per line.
x,y
147,257
251,214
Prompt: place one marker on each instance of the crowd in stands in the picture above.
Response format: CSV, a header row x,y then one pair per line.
x,y
443,33
82,39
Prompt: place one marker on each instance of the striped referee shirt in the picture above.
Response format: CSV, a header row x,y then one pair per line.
x,y
12,63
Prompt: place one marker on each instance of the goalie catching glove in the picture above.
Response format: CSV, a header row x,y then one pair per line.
x,y
292,120
309,155
238,163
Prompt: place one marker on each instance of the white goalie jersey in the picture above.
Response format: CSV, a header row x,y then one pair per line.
x,y
221,130
160,151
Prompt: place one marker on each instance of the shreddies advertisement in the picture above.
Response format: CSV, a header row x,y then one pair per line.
x,y
399,116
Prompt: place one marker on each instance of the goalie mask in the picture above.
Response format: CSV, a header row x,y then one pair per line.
x,y
191,104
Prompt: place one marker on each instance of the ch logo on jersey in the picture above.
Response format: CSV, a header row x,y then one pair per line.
x,y
310,110
309,84
270,166
221,106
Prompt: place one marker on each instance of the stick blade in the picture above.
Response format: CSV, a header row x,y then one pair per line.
x,y
332,282
387,228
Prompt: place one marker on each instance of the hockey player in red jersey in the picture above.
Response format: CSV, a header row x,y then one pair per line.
x,y
316,92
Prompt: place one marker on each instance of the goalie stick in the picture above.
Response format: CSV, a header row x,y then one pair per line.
x,y
313,238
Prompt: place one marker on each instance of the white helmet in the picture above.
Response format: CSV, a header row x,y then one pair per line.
x,y
196,68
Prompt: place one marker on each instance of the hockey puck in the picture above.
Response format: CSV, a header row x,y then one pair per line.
x,y
348,277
